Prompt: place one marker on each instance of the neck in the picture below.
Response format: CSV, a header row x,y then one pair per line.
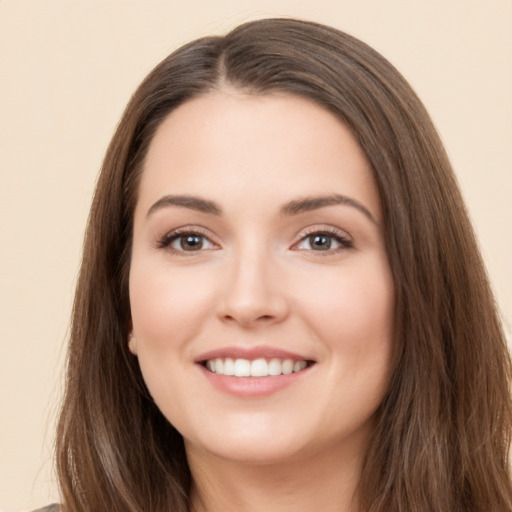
x,y
326,482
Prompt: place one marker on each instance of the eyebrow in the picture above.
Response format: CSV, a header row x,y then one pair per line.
x,y
190,202
307,204
294,207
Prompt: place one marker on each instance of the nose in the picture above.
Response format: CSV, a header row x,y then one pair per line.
x,y
253,292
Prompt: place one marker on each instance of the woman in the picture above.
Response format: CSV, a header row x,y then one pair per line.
x,y
281,303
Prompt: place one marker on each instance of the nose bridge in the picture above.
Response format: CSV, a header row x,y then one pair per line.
x,y
252,291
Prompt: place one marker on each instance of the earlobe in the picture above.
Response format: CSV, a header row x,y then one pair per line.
x,y
132,343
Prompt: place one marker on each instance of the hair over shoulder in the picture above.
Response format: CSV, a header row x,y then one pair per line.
x,y
443,431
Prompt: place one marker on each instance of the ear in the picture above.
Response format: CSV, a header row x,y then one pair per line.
x,y
132,343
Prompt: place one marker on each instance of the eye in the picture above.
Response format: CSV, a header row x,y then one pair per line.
x,y
324,241
186,241
191,242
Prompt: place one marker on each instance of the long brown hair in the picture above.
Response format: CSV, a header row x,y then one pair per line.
x,y
443,431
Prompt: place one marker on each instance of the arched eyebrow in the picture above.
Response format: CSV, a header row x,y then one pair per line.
x,y
307,204
295,207
190,202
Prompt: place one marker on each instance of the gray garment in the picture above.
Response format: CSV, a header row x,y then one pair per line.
x,y
49,508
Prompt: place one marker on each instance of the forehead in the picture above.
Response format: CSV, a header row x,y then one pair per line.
x,y
231,144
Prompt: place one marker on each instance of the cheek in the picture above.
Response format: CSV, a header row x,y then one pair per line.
x,y
355,319
168,309
167,306
355,306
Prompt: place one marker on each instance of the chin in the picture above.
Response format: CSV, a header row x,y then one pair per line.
x,y
249,452
257,443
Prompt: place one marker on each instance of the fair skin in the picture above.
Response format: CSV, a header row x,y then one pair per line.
x,y
232,261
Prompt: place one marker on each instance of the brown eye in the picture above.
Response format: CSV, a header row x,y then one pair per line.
x,y
189,242
320,242
324,241
185,241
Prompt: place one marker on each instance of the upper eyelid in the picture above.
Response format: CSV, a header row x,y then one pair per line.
x,y
186,230
331,230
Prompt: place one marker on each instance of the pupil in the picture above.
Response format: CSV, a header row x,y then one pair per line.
x,y
191,242
320,242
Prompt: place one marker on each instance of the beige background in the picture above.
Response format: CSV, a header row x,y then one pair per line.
x,y
67,70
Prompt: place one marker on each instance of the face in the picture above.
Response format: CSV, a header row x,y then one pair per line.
x,y
261,295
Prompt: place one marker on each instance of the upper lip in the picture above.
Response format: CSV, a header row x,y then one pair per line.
x,y
250,353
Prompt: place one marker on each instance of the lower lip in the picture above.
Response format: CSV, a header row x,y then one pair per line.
x,y
252,387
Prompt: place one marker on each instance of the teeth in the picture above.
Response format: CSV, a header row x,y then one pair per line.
x,y
274,367
287,366
299,365
229,366
242,368
256,368
259,368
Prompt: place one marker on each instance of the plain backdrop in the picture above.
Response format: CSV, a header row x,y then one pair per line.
x,y
67,69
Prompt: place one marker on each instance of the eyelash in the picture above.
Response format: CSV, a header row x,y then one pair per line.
x,y
166,241
340,237
345,242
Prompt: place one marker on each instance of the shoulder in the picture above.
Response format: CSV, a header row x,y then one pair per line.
x,y
49,508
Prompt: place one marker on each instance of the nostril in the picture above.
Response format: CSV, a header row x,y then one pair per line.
x,y
250,320
252,310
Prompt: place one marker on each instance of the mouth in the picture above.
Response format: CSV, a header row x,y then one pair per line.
x,y
253,372
258,368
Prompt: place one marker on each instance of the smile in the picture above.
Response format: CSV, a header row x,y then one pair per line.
x,y
253,372
255,368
